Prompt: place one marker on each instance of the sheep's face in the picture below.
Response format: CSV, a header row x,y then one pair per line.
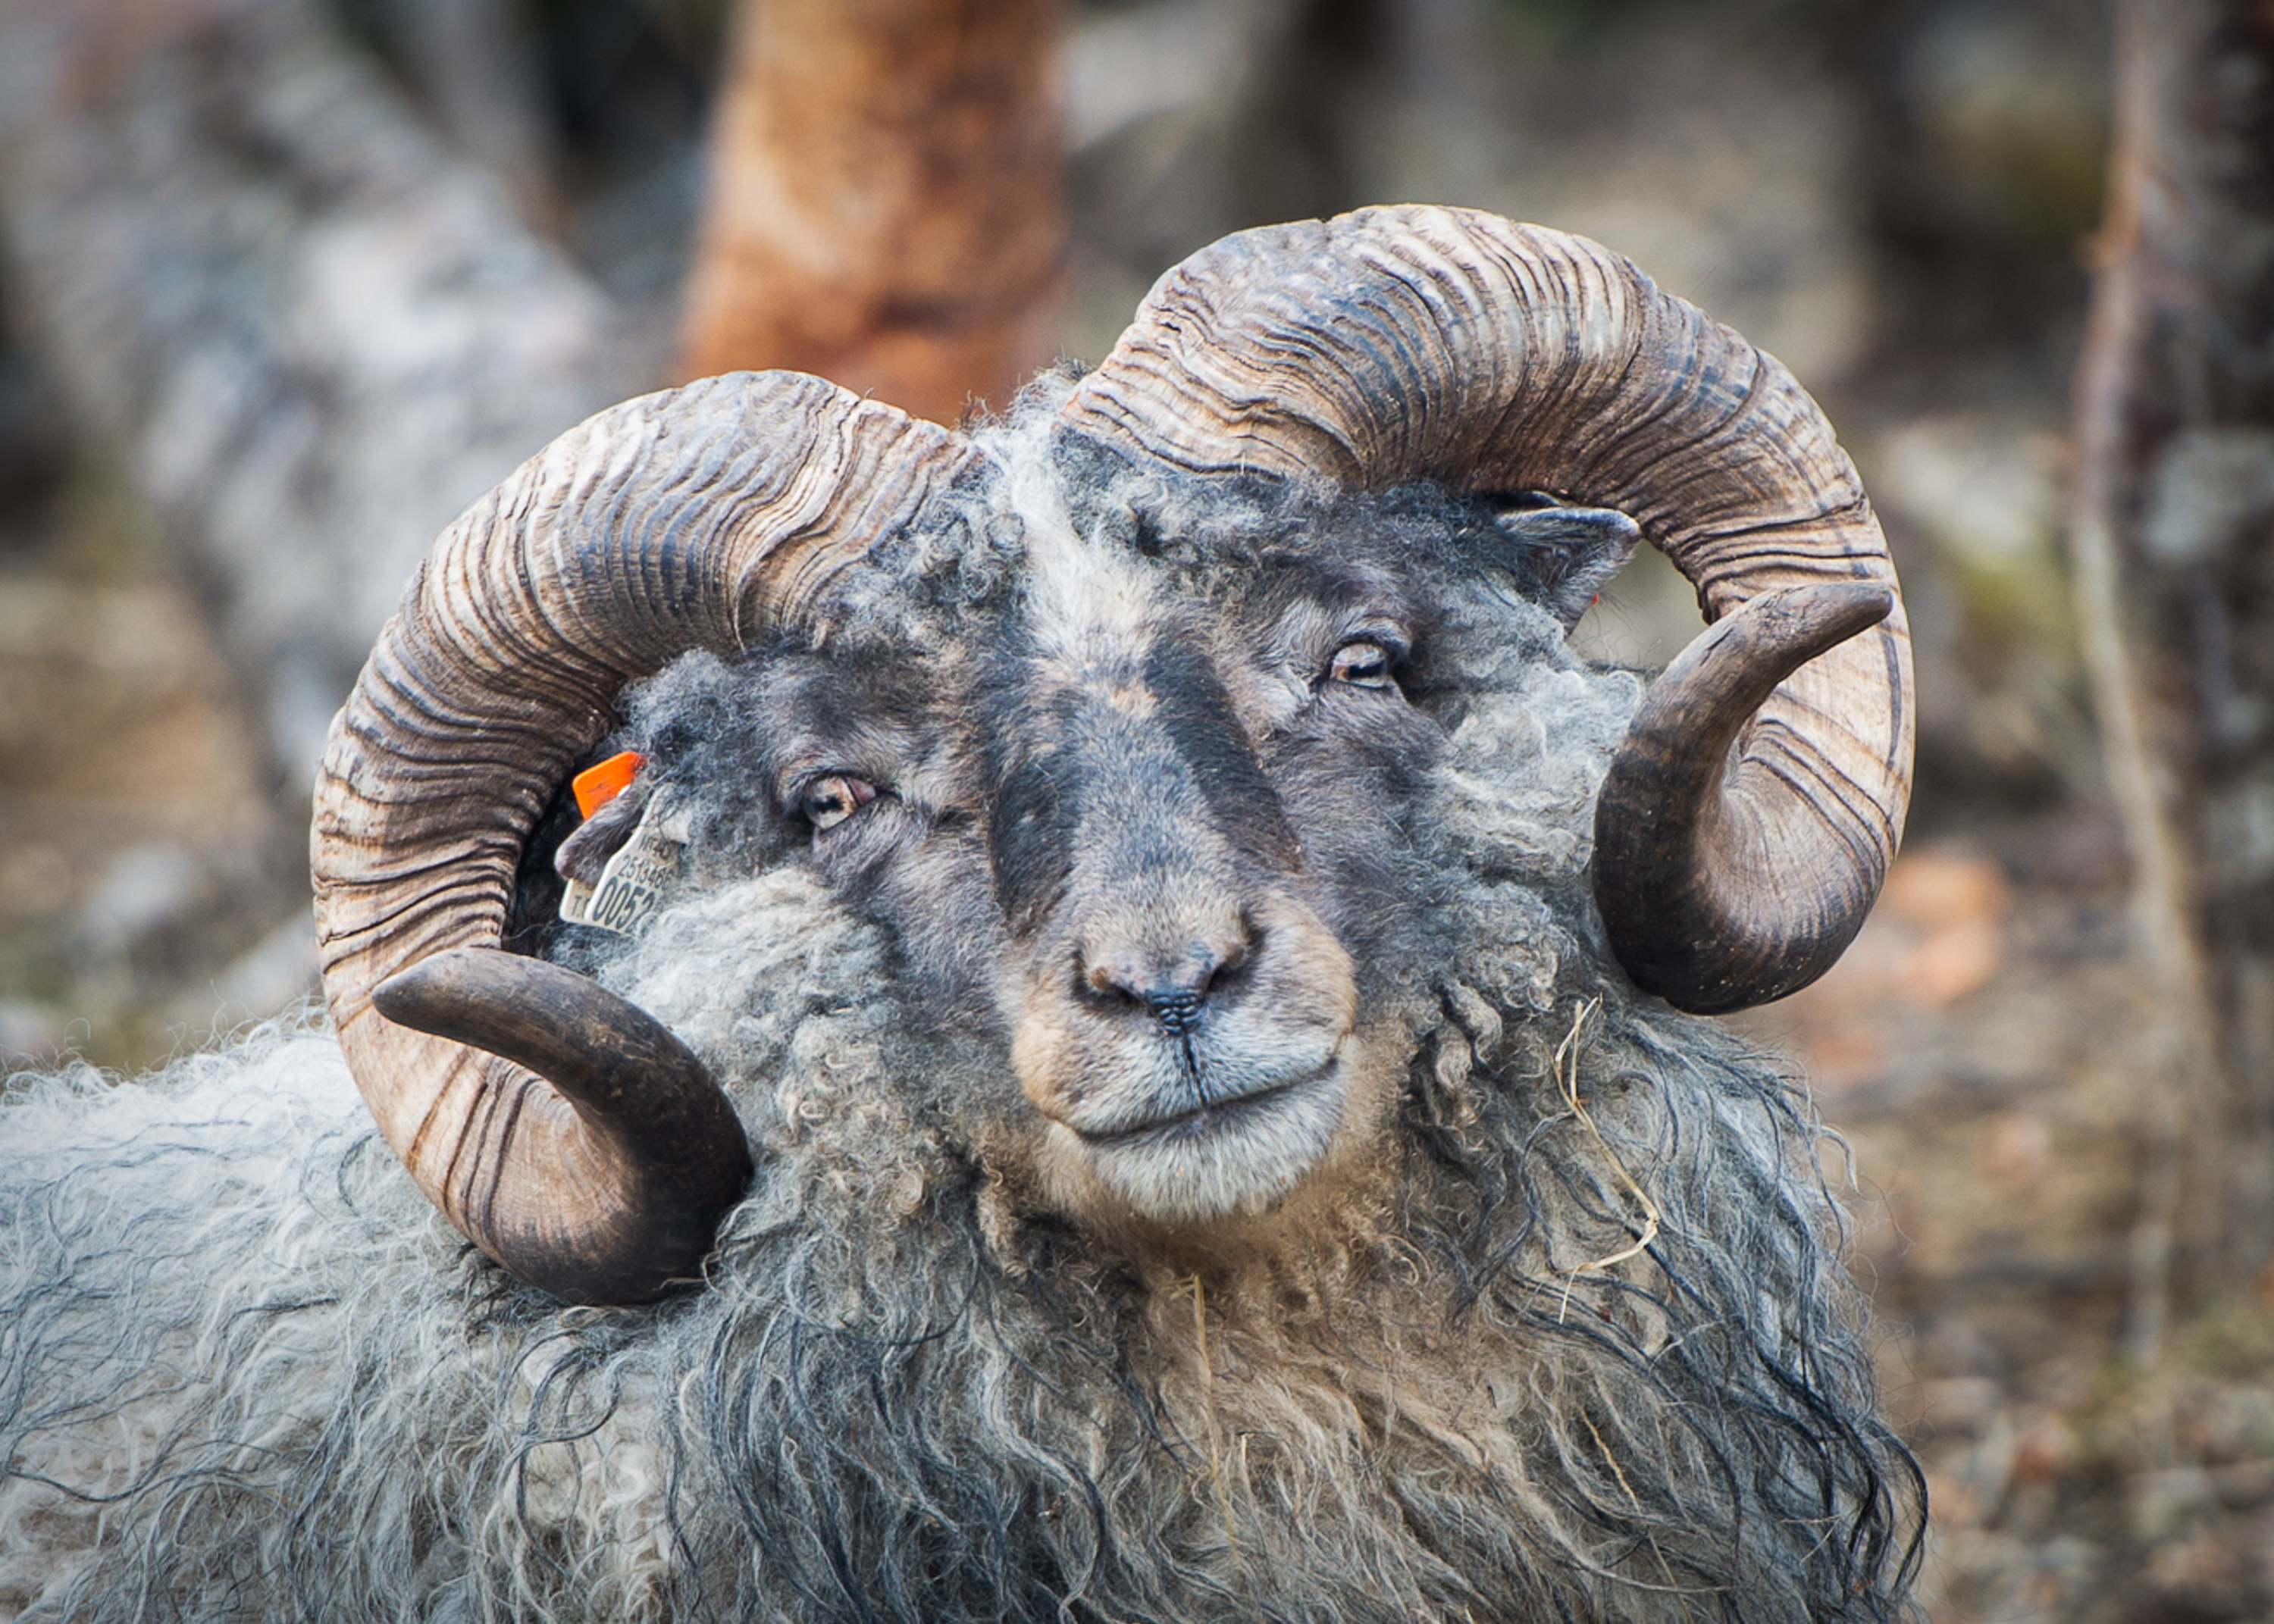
x,y
1192,811
1140,823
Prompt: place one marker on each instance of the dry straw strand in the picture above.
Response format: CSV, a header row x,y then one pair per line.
x,y
1566,1065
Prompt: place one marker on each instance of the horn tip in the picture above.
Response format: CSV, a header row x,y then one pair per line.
x,y
427,996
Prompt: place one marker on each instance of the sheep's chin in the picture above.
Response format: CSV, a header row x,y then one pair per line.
x,y
1235,1158
1238,1162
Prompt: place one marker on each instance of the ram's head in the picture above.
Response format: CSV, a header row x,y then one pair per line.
x,y
1131,792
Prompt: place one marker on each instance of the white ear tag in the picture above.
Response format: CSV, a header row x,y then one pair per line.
x,y
635,882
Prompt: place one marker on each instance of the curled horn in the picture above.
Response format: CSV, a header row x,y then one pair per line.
x,y
1396,344
695,518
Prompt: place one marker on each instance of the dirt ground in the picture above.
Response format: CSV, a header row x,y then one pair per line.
x,y
1971,1048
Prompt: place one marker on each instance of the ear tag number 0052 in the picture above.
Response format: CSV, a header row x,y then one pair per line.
x,y
635,882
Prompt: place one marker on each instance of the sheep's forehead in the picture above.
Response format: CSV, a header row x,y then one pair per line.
x,y
1090,604
1092,607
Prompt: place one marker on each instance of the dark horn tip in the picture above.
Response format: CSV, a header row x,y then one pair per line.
x,y
623,1069
421,997
664,1124
537,1014
1759,643
1828,614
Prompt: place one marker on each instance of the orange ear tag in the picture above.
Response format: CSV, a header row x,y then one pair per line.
x,y
596,786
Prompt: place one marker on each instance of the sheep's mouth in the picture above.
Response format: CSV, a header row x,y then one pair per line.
x,y
1215,1118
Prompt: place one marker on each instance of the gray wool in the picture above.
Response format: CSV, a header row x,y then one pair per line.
x,y
247,1372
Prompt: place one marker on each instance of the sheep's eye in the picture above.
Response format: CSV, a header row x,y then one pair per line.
x,y
826,802
1361,665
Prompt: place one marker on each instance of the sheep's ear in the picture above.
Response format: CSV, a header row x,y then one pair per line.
x,y
1564,554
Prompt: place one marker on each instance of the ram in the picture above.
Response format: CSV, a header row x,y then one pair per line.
x,y
1141,1083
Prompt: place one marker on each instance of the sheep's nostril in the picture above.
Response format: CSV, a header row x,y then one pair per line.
x,y
1177,1011
1173,989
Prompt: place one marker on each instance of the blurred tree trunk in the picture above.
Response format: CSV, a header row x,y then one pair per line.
x,y
2172,537
886,204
